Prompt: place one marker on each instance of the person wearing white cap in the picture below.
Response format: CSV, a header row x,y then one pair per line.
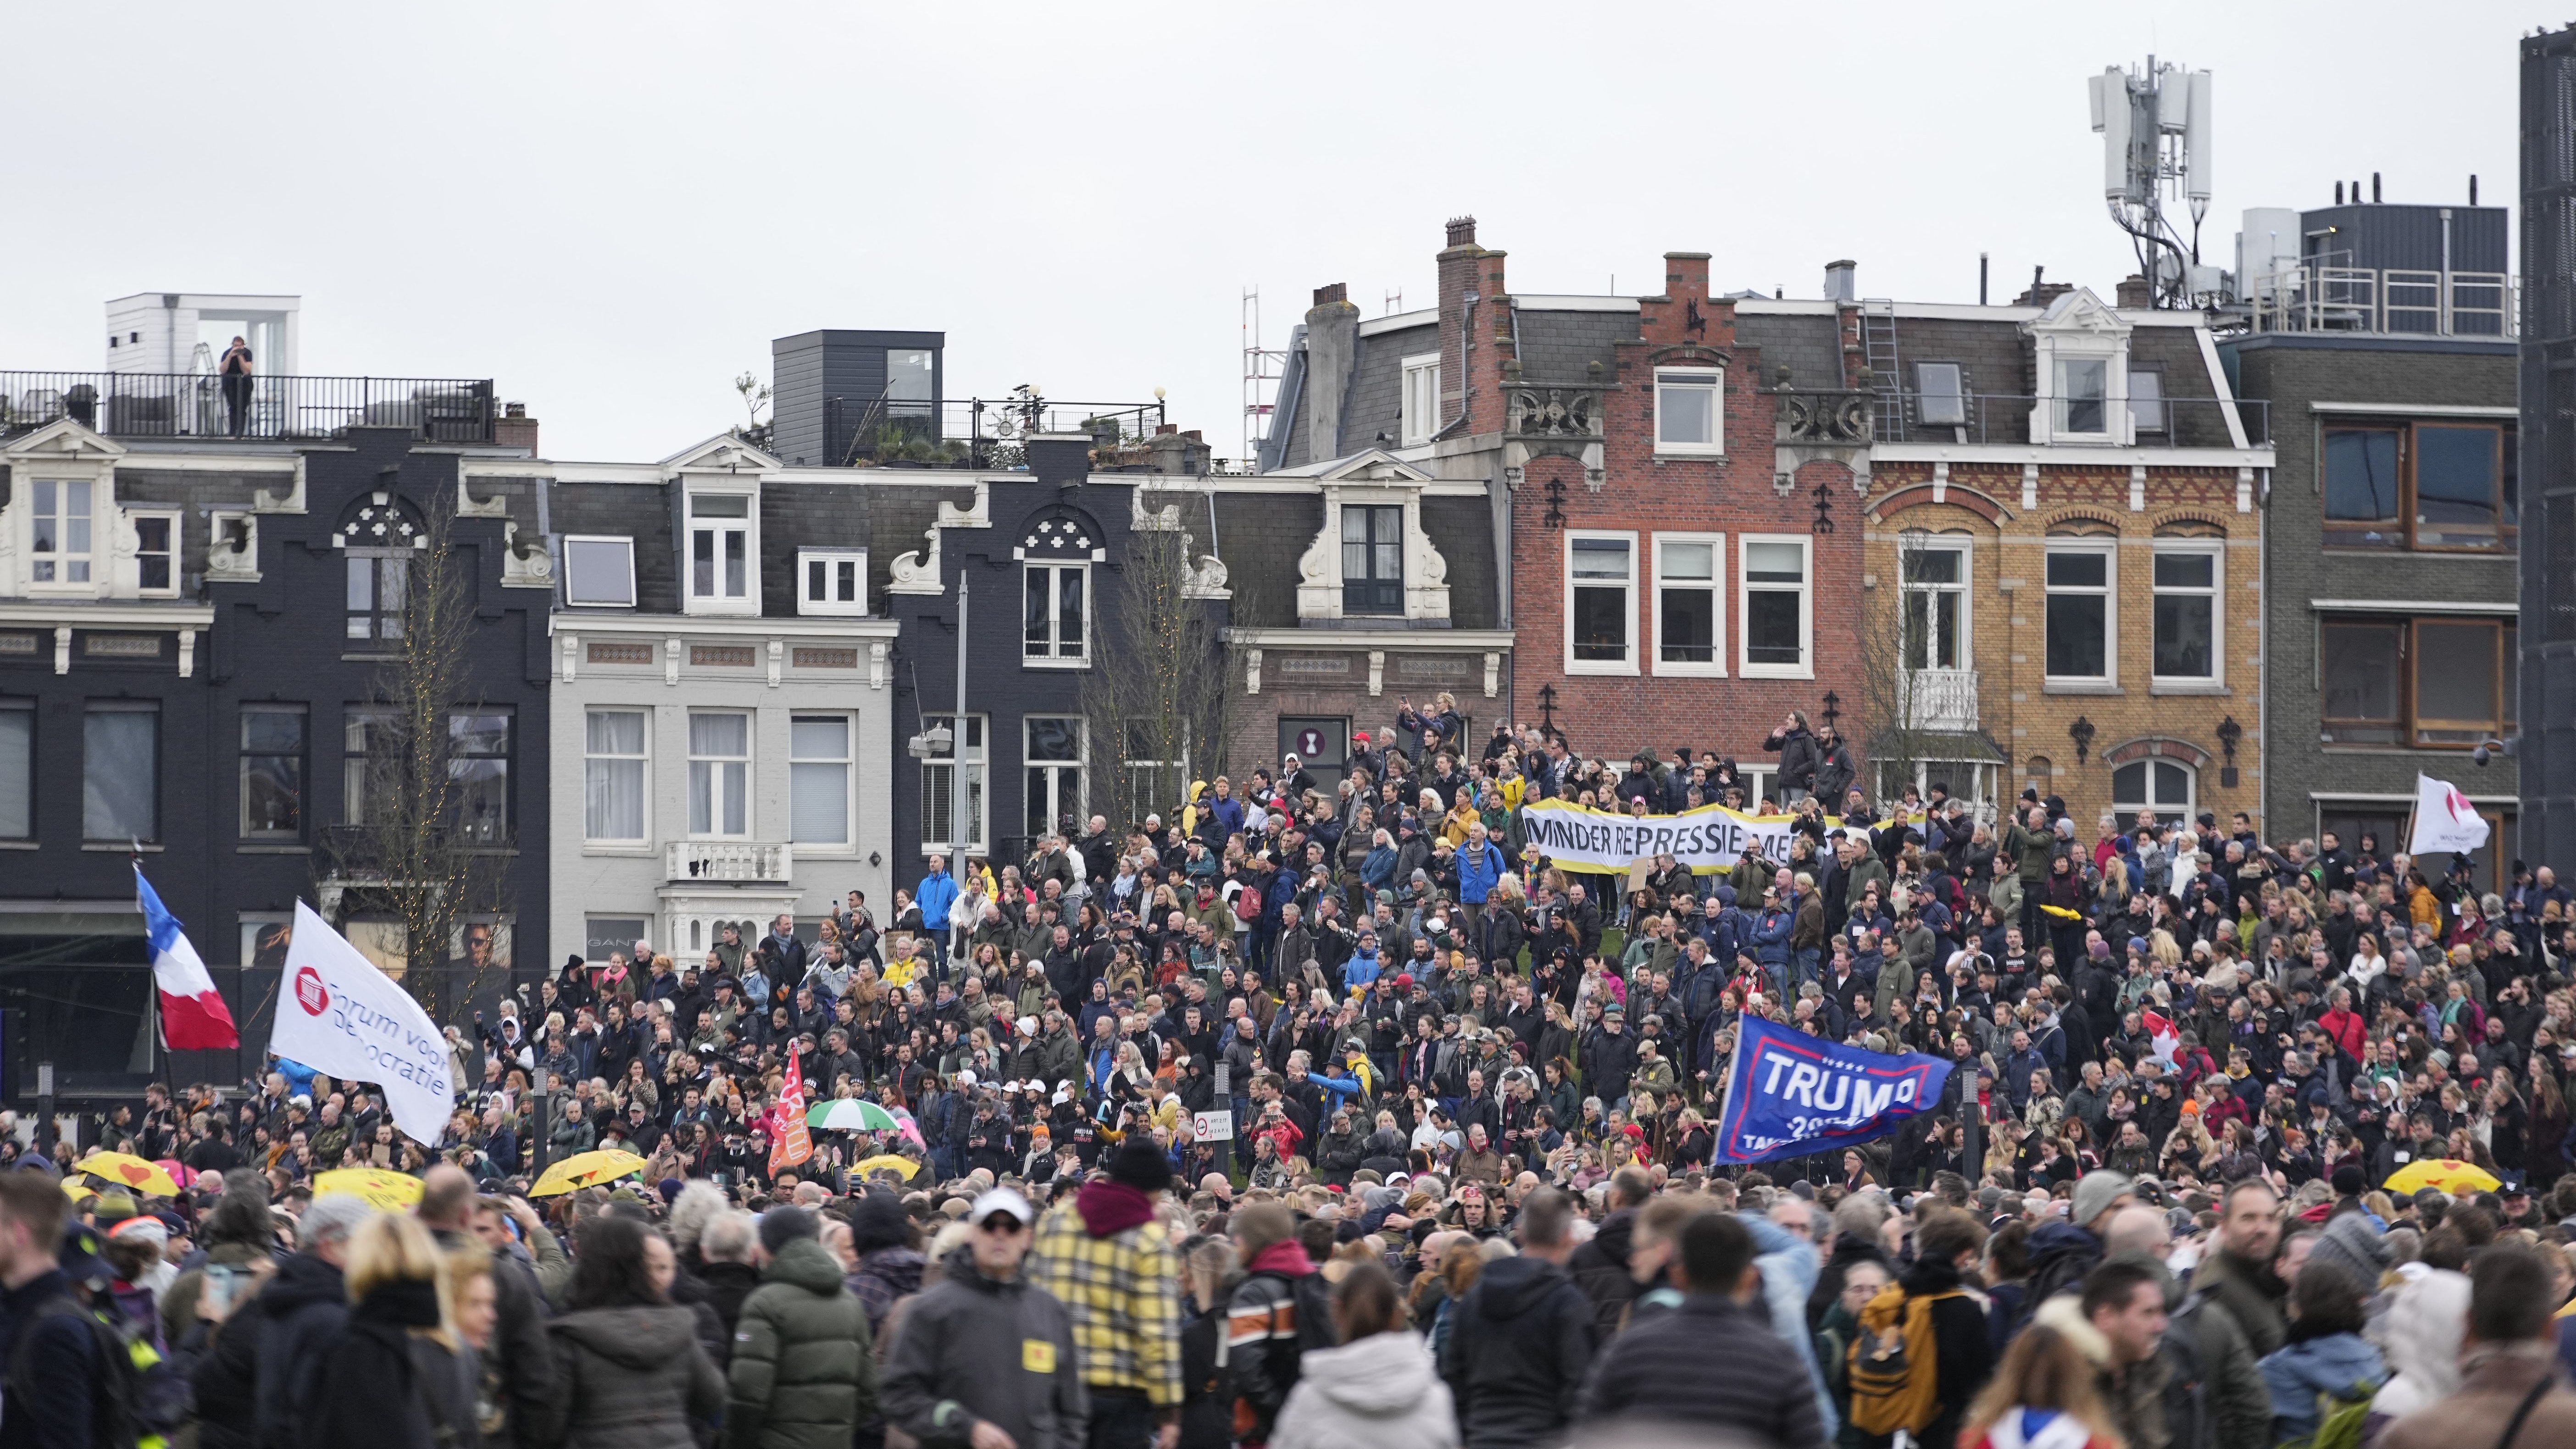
x,y
987,1358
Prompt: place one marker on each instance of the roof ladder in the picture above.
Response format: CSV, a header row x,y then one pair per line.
x,y
1878,352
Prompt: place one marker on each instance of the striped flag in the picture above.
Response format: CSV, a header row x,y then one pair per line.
x,y
193,1014
793,1143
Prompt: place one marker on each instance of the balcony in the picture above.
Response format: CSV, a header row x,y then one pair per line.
x,y
193,406
1941,699
730,862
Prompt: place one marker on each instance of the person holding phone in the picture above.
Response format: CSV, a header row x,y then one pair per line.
x,y
236,372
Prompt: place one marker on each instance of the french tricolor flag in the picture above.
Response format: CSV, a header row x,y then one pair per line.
x,y
193,1014
2160,1033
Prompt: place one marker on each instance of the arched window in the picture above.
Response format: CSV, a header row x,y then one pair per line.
x,y
2163,786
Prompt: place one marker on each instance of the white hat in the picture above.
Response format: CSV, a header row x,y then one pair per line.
x,y
1001,1200
1028,1026
966,1077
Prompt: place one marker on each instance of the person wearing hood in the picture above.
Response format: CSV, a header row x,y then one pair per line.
x,y
953,1378
1276,1313
1379,1390
1110,1261
802,1373
2420,1337
1658,1369
374,1385
2325,1356
1521,1341
630,1373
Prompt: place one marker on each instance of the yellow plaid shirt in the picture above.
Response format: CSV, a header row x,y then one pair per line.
x,y
1124,1294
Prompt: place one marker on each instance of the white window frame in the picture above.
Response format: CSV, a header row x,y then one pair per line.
x,y
720,602
1055,616
833,561
2216,552
2128,810
1627,663
135,519
64,561
643,760
1805,668
2109,551
1080,808
716,799
1709,380
625,546
846,762
979,785
1715,665
2113,402
1419,409
1964,547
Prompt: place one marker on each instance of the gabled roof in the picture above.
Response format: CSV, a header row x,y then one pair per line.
x,y
2080,312
1370,465
64,438
723,451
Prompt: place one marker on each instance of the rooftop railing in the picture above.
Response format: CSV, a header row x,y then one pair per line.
x,y
260,408
1986,417
971,432
2318,298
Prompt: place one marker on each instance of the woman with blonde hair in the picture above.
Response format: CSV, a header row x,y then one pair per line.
x,y
2042,1396
377,1387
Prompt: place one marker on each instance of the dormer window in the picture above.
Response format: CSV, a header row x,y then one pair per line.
x,y
2080,349
720,566
1372,559
831,581
2084,395
60,545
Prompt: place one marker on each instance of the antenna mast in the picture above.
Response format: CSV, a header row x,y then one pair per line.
x,y
2155,134
1261,367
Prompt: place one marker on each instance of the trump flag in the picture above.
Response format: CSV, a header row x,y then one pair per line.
x,y
1789,1094
193,1015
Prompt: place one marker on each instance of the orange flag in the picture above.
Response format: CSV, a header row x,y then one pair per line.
x,y
792,1144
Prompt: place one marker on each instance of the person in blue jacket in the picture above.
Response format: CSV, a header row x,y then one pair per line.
x,y
936,893
1480,869
1771,938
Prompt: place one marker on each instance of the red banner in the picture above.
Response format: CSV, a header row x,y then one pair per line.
x,y
791,1145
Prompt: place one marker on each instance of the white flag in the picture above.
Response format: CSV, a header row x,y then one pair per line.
x,y
2444,819
337,1013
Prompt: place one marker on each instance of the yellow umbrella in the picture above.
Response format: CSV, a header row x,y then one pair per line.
x,y
379,1187
130,1172
586,1169
884,1160
2447,1173
78,1192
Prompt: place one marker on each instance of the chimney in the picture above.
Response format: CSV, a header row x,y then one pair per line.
x,y
1471,289
1840,283
2042,293
1332,350
515,429
1172,451
2133,292
1462,231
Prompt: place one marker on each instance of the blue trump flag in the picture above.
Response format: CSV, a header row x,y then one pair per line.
x,y
1789,1094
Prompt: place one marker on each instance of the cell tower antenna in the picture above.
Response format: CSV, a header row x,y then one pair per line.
x,y
2155,129
1261,368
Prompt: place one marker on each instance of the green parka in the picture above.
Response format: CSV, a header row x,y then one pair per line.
x,y
802,1376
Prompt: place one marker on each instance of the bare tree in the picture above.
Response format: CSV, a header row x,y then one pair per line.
x,y
1156,700
426,844
1898,702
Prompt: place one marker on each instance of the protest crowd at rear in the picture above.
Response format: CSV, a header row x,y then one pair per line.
x,y
1346,1115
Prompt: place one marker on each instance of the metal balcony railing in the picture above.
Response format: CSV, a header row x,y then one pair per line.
x,y
268,409
1942,699
1988,417
729,860
972,432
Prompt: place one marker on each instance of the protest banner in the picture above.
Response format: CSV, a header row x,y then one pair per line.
x,y
1789,1094
337,1013
1709,839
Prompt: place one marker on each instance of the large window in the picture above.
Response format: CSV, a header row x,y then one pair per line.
x,y
720,569
59,543
939,786
2441,683
720,774
478,769
613,771
818,748
1372,558
156,553
2163,786
1600,618
2423,485
1421,404
1688,614
17,770
1052,782
370,756
2186,615
2084,396
1779,622
379,583
1690,410
272,772
832,581
599,573
1936,606
1053,611
121,773
2079,642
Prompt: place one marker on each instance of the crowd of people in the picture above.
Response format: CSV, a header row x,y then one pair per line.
x,y
1352,1070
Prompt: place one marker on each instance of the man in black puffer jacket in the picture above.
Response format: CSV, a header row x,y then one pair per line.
x,y
1521,1340
1600,1267
277,1341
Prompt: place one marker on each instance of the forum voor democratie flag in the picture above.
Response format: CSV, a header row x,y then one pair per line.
x,y
193,1015
337,1013
1789,1094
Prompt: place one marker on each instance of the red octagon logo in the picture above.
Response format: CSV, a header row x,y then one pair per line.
x,y
309,991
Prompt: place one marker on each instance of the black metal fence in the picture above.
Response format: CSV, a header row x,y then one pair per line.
x,y
969,432
200,405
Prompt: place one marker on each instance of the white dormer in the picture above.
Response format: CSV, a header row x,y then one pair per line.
x,y
2081,349
1371,559
720,524
64,535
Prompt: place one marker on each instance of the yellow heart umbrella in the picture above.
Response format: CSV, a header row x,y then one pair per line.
x,y
130,1172
379,1187
586,1169
886,1161
2447,1173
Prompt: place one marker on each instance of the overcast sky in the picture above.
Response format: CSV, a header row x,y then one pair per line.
x,y
612,209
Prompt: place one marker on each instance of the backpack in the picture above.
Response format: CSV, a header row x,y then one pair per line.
x,y
2344,1415
1247,904
139,1400
1895,1370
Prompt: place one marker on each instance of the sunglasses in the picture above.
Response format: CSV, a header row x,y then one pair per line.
x,y
1004,1224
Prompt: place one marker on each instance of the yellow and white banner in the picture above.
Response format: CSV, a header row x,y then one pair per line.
x,y
1709,839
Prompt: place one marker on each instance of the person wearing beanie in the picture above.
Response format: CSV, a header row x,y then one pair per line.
x,y
2061,1253
1108,1258
2352,1243
802,1374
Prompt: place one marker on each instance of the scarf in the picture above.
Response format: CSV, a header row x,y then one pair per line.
x,y
1111,1208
